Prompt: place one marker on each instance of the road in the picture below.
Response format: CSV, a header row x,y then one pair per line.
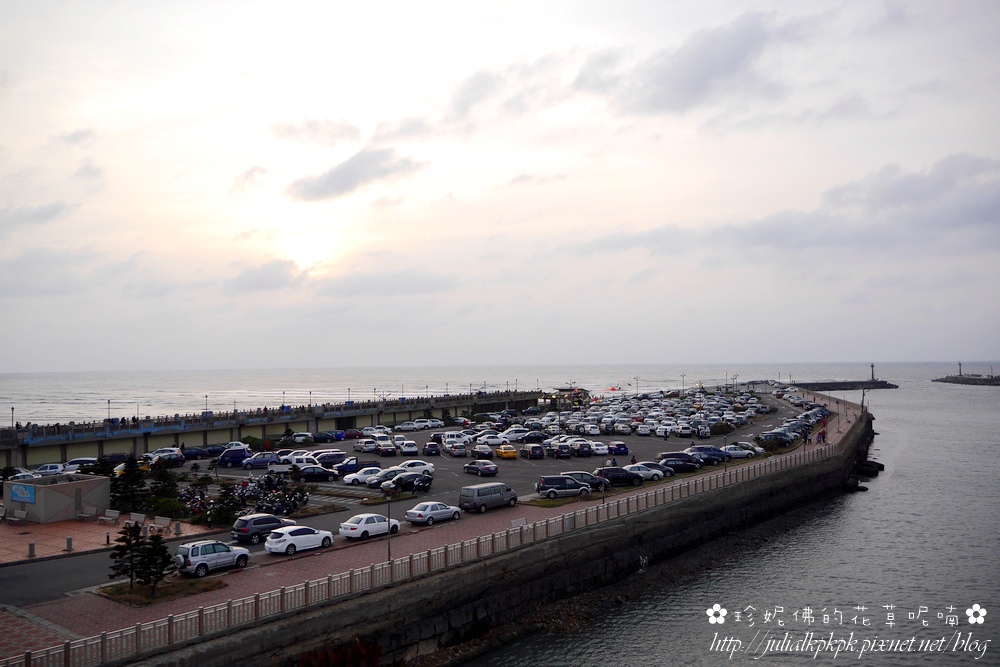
x,y
35,582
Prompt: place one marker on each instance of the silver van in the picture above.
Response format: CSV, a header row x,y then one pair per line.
x,y
481,497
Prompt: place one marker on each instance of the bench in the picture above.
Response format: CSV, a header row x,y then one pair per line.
x,y
109,515
135,519
161,524
87,514
18,517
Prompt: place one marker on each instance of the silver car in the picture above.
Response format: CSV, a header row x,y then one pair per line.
x,y
428,513
199,558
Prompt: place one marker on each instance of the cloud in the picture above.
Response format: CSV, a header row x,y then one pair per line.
x,y
88,171
366,166
44,272
36,215
474,90
396,283
599,73
406,128
80,137
247,179
712,63
274,275
323,132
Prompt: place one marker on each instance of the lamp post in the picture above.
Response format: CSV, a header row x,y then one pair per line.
x,y
683,375
12,416
348,394
388,512
206,402
109,410
427,391
636,378
310,398
282,398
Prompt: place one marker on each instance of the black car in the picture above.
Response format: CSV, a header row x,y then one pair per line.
x,y
560,450
432,449
328,436
532,437
680,465
214,450
168,460
619,476
195,453
331,459
317,474
582,449
532,452
253,528
408,481
709,449
596,483
375,481
552,486
533,410
684,456
707,458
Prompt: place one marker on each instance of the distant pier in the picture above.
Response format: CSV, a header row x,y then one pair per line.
x,y
846,385
982,380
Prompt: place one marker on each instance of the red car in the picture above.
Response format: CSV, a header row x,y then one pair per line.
x,y
353,434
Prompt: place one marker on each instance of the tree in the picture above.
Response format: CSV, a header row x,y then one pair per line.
x,y
164,484
125,553
154,563
213,466
128,490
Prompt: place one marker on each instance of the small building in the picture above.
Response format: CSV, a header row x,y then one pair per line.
x,y
59,497
568,398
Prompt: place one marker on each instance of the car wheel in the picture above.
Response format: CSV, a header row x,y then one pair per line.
x,y
551,493
430,521
330,478
636,482
393,530
327,542
584,492
750,455
290,550
355,481
241,561
479,472
668,473
481,509
229,464
656,478
513,501
456,515
364,535
201,570
255,538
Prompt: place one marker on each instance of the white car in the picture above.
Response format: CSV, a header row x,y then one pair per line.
x,y
302,437
289,539
437,423
421,424
408,448
407,426
599,448
416,465
643,429
493,440
648,474
363,526
48,469
361,476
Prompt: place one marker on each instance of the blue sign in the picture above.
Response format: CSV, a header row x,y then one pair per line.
x,y
22,493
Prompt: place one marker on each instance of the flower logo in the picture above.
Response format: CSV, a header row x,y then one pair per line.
x,y
717,614
975,614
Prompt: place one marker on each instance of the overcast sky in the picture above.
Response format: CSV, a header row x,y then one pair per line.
x,y
249,184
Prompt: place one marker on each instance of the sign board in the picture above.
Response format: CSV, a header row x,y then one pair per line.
x,y
22,493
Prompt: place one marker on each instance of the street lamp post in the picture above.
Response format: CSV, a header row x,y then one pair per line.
x,y
636,378
206,402
109,410
12,416
388,512
683,375
310,398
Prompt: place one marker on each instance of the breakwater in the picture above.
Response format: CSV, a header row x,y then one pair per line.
x,y
980,380
430,600
846,385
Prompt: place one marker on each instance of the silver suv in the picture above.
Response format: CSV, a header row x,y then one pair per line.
x,y
198,558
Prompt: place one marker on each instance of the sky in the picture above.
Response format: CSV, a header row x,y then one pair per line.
x,y
193,185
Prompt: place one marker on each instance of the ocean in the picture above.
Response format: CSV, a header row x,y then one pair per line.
x,y
892,576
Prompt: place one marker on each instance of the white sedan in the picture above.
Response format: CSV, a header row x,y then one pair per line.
x,y
289,539
493,440
648,474
407,426
599,448
363,526
361,476
408,448
416,465
749,446
737,452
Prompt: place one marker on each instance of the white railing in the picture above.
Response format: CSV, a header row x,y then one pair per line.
x,y
129,643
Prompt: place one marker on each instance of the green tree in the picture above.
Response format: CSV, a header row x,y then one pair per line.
x,y
223,510
154,563
128,490
125,553
195,469
164,484
213,466
447,418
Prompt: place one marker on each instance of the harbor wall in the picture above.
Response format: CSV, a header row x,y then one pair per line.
x,y
403,621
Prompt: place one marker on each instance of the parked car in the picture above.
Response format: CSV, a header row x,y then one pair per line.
x,y
648,474
295,538
196,453
214,450
665,471
616,447
74,465
532,452
431,449
428,513
552,486
407,426
456,449
253,527
596,483
751,447
492,440
408,481
581,448
737,452
353,434
363,526
482,452
361,476
619,476
386,449
481,468
261,460
710,450
201,557
168,460
531,436
480,497
680,465
234,457
317,473
375,481
408,448
366,446
329,436
506,452
416,465
49,469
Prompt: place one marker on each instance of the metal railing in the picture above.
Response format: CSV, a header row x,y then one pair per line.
x,y
205,622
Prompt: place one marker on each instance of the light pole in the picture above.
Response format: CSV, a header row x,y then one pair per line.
x,y
282,398
206,402
109,410
736,384
683,375
636,378
388,512
310,398
348,394
427,391
12,416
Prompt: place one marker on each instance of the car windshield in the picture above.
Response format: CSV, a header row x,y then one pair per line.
x,y
422,507
355,519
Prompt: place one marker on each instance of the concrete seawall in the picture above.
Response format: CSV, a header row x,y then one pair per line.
x,y
400,622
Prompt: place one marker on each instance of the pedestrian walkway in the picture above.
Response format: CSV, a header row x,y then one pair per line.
x,y
84,613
